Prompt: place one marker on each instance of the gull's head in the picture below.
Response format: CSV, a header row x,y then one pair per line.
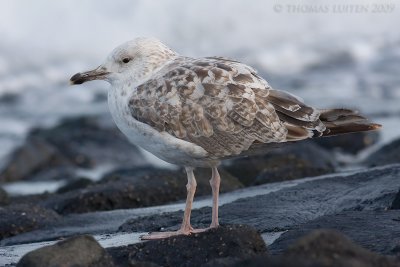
x,y
133,61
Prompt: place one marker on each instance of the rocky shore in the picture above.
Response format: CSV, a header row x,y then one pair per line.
x,y
299,205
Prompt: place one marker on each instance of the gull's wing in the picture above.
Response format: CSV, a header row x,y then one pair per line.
x,y
221,105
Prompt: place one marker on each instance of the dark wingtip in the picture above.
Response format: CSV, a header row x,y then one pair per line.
x,y
77,79
375,126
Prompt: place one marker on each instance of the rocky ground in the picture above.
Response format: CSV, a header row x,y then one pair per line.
x,y
304,204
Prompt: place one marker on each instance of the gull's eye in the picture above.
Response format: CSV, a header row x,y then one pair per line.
x,y
126,59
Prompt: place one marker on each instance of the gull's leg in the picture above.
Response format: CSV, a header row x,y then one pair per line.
x,y
215,182
186,228
191,189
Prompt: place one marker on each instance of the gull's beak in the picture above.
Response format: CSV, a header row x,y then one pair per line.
x,y
99,73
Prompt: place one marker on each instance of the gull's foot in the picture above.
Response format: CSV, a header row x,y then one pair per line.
x,y
161,235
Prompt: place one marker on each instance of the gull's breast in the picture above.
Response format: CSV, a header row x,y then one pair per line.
x,y
161,144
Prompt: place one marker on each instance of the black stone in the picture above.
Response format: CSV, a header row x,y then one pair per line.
x,y
75,184
79,251
292,161
238,241
378,231
20,218
278,211
388,154
84,142
4,199
349,143
133,188
396,202
322,248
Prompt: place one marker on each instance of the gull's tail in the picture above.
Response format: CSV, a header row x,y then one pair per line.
x,y
336,121
340,121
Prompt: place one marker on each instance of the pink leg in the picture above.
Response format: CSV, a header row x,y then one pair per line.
x,y
186,228
215,182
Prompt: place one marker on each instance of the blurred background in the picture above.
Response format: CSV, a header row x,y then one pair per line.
x,y
331,53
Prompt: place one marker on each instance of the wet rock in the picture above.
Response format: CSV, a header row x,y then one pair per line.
x,y
132,188
396,202
388,154
84,142
238,241
79,251
323,248
4,200
378,231
20,218
75,184
297,160
349,143
283,209
331,248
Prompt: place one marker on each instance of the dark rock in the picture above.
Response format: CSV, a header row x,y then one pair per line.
x,y
378,231
281,210
79,251
268,208
4,200
396,202
20,218
349,143
74,184
132,188
84,142
9,98
322,248
297,160
34,156
222,262
388,154
238,241
331,248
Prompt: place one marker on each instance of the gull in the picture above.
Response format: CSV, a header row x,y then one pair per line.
x,y
196,112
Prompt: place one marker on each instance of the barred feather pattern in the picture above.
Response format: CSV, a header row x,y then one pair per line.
x,y
221,105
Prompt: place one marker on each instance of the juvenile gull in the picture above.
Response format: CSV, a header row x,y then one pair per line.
x,y
195,112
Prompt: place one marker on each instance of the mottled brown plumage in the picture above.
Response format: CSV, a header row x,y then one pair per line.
x,y
221,105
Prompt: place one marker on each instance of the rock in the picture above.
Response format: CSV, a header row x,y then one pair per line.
x,y
378,231
31,158
387,154
74,184
133,188
292,161
222,262
322,248
349,143
78,142
20,218
331,248
79,251
281,209
9,98
238,241
396,202
4,200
